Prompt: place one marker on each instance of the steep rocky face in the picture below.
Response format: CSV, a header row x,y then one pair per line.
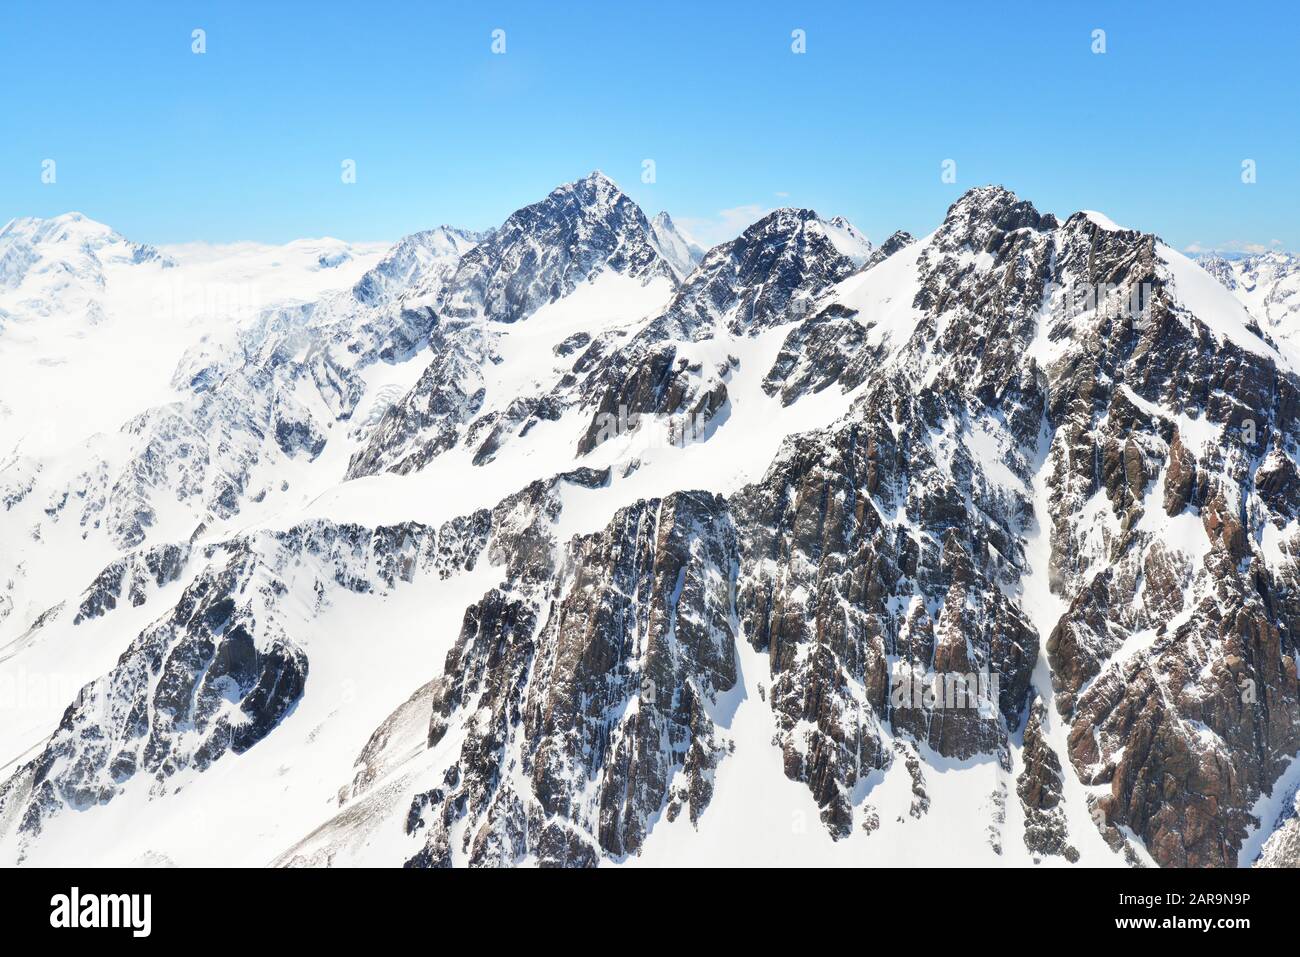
x,y
758,279
679,252
1039,788
880,548
1173,604
1118,406
544,251
741,288
1048,532
220,670
431,418
583,701
896,242
132,574
847,600
829,348
879,552
205,680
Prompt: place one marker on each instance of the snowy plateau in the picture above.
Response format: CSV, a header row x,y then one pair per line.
x,y
571,543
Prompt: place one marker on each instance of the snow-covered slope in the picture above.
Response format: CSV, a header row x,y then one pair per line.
x,y
539,547
673,245
92,324
848,240
1268,285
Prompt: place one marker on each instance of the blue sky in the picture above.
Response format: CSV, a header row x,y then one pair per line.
x,y
246,141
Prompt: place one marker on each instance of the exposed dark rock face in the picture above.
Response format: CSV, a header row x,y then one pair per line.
x,y
920,799
759,279
585,699
543,251
659,384
296,434
833,591
896,242
540,254
765,277
432,416
818,353
161,564
880,540
195,685
220,670
1039,788
1166,726
1112,479
885,540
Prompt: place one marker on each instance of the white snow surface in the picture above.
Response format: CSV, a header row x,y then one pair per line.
x,y
89,336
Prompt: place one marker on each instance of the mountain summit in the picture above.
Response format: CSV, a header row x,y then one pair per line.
x,y
555,546
543,251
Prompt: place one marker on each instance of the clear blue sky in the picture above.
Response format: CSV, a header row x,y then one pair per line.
x,y
246,140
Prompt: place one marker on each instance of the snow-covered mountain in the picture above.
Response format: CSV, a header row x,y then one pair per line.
x,y
58,268
1268,284
681,252
848,240
80,305
562,545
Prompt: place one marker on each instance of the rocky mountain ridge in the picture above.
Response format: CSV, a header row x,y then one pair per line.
x,y
1012,506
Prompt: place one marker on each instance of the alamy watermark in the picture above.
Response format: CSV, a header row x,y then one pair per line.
x,y
1067,300
666,431
22,689
911,687
75,910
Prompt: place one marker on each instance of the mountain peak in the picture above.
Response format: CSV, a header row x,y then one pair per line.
x,y
593,189
421,261
663,219
681,252
543,251
70,243
993,201
752,280
981,211
71,226
848,239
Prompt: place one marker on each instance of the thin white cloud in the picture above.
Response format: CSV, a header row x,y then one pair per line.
x,y
724,225
1234,246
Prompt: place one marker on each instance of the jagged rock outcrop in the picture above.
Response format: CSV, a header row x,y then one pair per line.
x,y
1039,788
584,702
221,669
1282,849
161,565
543,251
765,277
1048,436
897,241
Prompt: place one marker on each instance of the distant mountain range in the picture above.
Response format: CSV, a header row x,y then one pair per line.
x,y
570,543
